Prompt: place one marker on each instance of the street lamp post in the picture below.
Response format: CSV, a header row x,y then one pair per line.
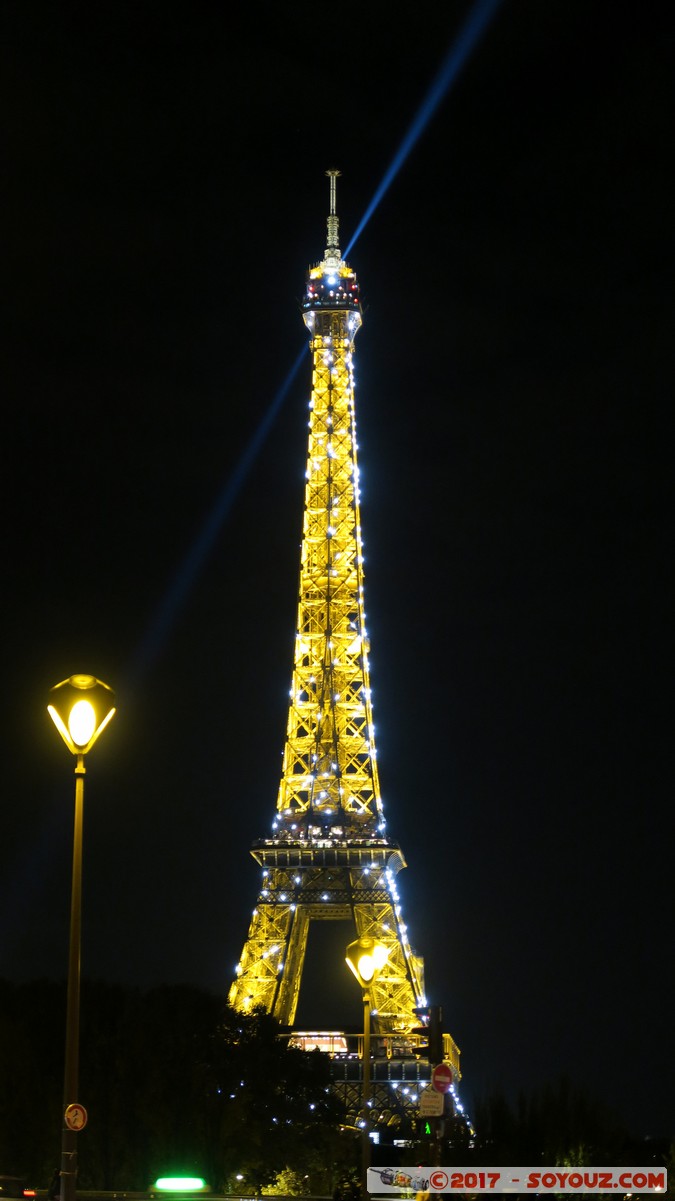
x,y
80,708
366,957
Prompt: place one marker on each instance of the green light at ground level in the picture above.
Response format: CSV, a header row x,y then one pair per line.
x,y
180,1184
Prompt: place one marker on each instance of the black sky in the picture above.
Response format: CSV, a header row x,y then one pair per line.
x,y
163,195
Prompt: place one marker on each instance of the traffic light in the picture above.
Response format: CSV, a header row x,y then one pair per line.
x,y
433,1032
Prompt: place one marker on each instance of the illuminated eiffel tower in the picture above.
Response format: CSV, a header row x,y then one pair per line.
x,y
329,857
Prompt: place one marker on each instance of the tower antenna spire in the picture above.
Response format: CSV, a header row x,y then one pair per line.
x,y
333,238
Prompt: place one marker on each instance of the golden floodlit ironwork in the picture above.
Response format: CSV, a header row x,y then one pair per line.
x,y
329,856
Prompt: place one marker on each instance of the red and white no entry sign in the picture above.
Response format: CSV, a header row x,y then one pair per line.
x,y
441,1078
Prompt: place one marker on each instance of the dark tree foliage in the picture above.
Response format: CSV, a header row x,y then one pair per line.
x,y
140,1068
32,1031
173,1080
559,1124
268,1103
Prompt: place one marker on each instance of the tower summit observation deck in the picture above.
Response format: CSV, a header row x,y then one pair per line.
x,y
329,856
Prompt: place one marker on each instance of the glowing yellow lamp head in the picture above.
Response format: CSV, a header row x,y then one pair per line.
x,y
368,965
81,708
81,722
366,958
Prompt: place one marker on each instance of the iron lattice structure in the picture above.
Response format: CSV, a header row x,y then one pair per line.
x,y
329,856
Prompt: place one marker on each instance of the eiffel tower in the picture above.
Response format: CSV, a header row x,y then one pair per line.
x,y
329,857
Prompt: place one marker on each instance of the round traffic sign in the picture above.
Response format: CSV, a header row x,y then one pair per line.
x,y
75,1117
441,1078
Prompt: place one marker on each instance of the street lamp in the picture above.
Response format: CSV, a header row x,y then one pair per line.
x,y
366,957
80,708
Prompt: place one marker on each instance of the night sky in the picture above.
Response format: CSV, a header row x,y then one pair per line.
x,y
163,197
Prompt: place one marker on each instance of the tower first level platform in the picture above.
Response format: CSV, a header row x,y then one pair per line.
x,y
327,879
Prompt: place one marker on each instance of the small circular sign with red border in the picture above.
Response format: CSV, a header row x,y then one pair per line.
x,y
75,1117
441,1078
